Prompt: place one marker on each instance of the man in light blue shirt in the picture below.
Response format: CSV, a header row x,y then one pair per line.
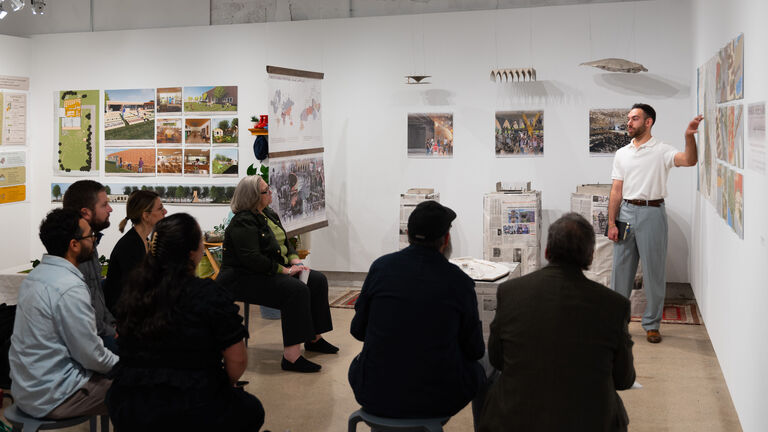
x,y
57,359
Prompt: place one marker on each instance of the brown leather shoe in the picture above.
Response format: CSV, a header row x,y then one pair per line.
x,y
653,336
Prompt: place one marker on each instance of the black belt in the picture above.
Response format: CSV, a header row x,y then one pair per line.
x,y
652,203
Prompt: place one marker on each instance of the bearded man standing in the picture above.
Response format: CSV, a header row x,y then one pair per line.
x,y
637,218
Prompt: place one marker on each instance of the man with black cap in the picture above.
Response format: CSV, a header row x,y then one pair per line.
x,y
417,316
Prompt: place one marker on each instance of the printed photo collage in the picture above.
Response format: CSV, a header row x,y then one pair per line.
x,y
171,131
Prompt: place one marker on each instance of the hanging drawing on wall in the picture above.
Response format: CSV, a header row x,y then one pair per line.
x,y
129,117
295,110
129,161
737,207
13,118
225,131
730,134
169,161
298,189
170,193
197,161
756,136
224,162
519,133
430,135
76,132
169,100
169,131
296,167
607,131
210,99
730,70
707,94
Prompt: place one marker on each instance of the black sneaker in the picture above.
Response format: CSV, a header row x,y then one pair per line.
x,y
300,365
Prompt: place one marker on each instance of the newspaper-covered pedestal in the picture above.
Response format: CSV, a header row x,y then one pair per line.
x,y
591,201
486,297
408,201
511,228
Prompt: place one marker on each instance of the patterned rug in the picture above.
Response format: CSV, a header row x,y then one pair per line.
x,y
347,300
677,314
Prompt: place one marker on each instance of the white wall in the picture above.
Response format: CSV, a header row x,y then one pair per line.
x,y
728,274
366,103
14,217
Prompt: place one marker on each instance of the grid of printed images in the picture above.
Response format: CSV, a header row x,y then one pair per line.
x,y
171,131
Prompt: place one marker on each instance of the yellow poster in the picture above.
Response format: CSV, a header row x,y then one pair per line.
x,y
72,108
13,194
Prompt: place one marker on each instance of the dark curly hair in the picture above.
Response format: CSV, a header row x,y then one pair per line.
x,y
58,228
146,307
571,240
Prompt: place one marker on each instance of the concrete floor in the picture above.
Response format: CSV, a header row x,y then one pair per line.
x,y
683,387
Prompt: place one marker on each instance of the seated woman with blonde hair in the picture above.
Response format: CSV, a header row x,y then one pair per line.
x,y
181,344
260,266
144,209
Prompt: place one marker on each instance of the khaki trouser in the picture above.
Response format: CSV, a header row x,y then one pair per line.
x,y
87,400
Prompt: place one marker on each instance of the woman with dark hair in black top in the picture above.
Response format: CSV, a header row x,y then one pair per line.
x,y
181,344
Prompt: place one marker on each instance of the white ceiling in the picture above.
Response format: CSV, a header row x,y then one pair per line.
x,y
65,16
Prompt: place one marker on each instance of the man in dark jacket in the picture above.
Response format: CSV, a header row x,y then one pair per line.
x,y
562,344
417,316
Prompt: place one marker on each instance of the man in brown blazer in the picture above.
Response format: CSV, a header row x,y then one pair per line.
x,y
562,344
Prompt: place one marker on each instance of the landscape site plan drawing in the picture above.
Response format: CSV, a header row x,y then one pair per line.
x,y
76,113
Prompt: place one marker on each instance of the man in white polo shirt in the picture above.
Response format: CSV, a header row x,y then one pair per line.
x,y
637,198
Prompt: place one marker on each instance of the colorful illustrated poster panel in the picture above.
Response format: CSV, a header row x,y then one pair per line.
x,y
721,202
197,132
197,162
13,118
738,204
730,134
169,101
225,130
208,100
730,70
129,161
430,135
519,133
607,131
169,131
224,162
170,161
295,113
129,117
298,190
13,168
76,133
170,193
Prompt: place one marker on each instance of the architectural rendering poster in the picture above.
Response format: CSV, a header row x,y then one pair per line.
x,y
171,193
756,137
224,162
76,132
170,161
197,132
13,118
210,100
430,135
169,131
295,113
225,131
129,117
298,191
197,161
129,161
519,133
169,100
607,131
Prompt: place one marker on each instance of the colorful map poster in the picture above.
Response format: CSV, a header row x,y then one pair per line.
x,y
295,113
76,132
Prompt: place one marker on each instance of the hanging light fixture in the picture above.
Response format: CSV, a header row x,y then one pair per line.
x,y
3,12
17,5
38,7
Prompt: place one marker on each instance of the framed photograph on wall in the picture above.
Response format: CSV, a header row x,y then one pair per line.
x,y
430,135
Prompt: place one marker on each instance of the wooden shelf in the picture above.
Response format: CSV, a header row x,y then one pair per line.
x,y
255,131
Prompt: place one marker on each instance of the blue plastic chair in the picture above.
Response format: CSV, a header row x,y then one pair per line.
x,y
26,423
384,424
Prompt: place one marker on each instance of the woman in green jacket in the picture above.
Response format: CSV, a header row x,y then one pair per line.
x,y
260,266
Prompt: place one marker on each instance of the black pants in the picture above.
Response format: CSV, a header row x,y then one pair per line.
x,y
304,309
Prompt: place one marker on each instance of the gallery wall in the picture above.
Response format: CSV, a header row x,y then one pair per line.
x,y
366,102
15,223
729,274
